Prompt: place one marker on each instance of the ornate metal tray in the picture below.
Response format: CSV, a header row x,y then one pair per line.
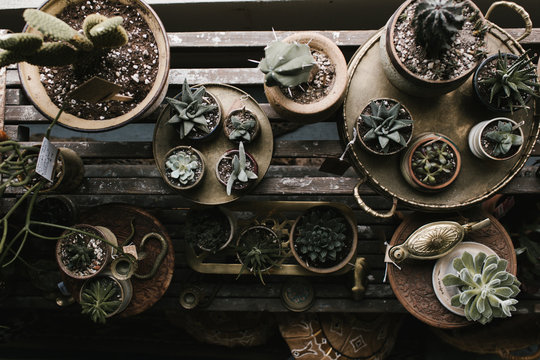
x,y
210,191
452,114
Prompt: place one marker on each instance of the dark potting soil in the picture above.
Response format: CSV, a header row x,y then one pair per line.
x,y
133,66
374,144
466,50
198,171
213,118
319,86
442,177
489,145
244,116
225,169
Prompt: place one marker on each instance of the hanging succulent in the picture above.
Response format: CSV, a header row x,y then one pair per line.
x,y
486,289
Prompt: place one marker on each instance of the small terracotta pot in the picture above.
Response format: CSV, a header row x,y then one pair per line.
x,y
228,131
228,157
369,148
257,228
475,139
230,220
352,234
406,167
178,186
326,106
125,286
100,231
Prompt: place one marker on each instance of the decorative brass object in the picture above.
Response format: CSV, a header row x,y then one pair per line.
x,y
360,278
433,240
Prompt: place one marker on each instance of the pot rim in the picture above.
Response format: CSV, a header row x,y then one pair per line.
x,y
483,127
232,226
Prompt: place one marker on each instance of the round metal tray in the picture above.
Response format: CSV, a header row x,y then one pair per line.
x,y
210,191
452,114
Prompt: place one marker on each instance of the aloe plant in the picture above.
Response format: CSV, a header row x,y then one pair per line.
x,y
503,137
486,289
100,298
259,249
240,171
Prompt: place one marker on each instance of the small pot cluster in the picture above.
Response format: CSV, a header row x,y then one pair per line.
x,y
196,115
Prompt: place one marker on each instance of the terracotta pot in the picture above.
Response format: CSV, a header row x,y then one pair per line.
x,y
185,148
125,286
475,139
100,231
352,235
216,211
368,147
406,167
326,106
257,228
30,76
228,131
237,184
403,78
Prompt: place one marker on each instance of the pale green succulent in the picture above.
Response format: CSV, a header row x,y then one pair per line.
x,y
190,111
242,128
240,172
486,289
504,138
99,299
286,64
183,166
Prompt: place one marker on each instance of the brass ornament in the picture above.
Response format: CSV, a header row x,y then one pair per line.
x,y
434,240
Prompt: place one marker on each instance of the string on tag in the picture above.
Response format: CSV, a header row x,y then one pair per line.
x,y
349,144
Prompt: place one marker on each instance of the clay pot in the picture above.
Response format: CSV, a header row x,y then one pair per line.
x,y
227,130
238,185
176,184
125,287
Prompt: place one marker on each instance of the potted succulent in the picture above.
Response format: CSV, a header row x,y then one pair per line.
x,y
305,76
258,250
209,229
241,125
67,58
496,139
86,252
236,169
323,239
184,167
196,114
431,163
385,127
506,82
104,296
486,289
430,47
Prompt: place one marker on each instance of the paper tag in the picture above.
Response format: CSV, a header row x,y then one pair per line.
x,y
46,160
131,250
335,166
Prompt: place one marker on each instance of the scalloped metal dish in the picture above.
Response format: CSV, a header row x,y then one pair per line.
x,y
452,114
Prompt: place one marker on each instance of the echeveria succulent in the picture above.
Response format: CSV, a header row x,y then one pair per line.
x,y
183,165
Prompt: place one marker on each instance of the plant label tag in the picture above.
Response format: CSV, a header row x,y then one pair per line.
x,y
131,250
46,160
335,166
97,90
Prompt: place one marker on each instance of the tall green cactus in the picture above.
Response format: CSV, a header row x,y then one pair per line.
x,y
435,23
69,47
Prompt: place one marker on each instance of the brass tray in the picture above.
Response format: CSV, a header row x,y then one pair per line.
x,y
210,191
452,114
278,215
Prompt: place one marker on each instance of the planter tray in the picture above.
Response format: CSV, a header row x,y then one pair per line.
x,y
452,114
118,218
210,191
412,285
278,215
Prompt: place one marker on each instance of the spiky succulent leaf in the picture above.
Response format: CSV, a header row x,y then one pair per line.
x,y
482,291
100,299
240,171
286,64
258,249
242,128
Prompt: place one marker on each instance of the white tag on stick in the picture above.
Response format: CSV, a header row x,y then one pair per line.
x,y
46,160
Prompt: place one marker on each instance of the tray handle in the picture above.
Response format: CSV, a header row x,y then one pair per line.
x,y
521,12
369,210
506,355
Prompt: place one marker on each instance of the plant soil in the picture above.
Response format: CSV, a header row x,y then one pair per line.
x,y
374,144
244,116
225,169
319,86
489,145
212,119
133,66
208,229
444,177
99,252
198,171
462,56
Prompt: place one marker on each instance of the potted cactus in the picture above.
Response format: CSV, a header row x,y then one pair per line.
x,y
305,76
104,296
430,47
506,82
486,289
209,229
496,139
323,239
258,250
55,57
241,125
86,252
384,127
236,169
196,114
184,167
432,162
